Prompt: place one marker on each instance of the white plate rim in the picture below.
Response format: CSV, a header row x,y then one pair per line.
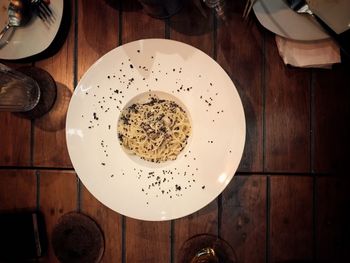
x,y
73,157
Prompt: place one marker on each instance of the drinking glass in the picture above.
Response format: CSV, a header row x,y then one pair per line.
x,y
18,92
206,248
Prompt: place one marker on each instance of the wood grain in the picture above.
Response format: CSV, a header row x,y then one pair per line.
x,y
136,24
144,241
287,114
202,222
291,208
110,223
243,220
50,148
147,241
15,140
240,53
331,119
191,27
98,29
332,231
57,196
18,190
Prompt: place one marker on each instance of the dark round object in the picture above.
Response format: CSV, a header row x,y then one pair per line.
x,y
195,246
48,91
77,238
162,8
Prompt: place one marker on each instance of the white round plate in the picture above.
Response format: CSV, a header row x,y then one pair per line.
x,y
33,38
142,189
276,16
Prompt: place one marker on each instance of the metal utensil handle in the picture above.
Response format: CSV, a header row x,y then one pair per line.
x,y
345,49
3,32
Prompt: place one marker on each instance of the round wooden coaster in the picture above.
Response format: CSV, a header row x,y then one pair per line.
x,y
48,92
77,238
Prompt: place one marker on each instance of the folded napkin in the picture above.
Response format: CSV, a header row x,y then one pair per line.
x,y
308,54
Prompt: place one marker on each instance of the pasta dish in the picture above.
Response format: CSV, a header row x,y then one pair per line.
x,y
156,130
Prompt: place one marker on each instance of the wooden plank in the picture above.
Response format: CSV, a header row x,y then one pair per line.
x,y
191,27
18,190
15,143
202,222
15,137
90,48
98,24
136,24
147,241
291,219
332,231
242,58
58,196
50,148
243,220
331,119
144,241
110,223
287,114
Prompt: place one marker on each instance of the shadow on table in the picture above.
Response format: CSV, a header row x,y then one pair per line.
x,y
250,151
55,119
193,19
128,6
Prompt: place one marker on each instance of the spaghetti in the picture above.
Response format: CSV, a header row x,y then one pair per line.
x,y
156,130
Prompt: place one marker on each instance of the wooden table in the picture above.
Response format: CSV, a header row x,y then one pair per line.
x,y
289,197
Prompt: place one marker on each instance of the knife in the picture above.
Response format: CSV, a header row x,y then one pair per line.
x,y
301,7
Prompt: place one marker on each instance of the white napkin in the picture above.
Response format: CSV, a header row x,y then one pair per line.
x,y
308,54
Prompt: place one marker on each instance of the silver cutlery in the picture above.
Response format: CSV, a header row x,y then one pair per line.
x,y
42,10
301,7
247,9
19,14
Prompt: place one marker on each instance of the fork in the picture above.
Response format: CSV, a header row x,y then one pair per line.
x,y
248,8
42,10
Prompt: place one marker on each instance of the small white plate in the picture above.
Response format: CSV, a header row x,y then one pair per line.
x,y
277,17
142,189
33,38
